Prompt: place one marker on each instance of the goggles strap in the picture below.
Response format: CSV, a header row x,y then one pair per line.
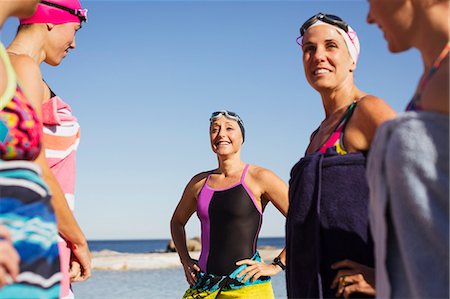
x,y
76,12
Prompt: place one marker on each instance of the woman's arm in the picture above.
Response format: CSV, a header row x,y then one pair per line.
x,y
30,79
275,190
184,210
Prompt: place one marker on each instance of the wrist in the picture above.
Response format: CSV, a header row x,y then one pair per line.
x,y
277,262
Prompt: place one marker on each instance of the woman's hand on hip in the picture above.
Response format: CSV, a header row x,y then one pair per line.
x,y
353,277
190,271
256,269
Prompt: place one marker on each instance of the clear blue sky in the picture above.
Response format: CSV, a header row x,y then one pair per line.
x,y
146,75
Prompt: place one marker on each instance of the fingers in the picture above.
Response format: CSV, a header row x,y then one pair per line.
x,y
340,274
190,271
75,271
9,259
246,262
4,233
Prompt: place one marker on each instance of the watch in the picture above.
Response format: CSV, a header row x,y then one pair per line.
x,y
277,261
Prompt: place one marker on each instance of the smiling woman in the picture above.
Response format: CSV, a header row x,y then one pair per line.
x,y
328,194
229,202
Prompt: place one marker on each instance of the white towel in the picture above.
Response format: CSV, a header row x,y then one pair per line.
x,y
408,175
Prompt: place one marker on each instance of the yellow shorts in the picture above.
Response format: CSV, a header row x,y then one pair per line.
x,y
259,291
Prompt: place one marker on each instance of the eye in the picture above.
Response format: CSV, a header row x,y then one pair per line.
x,y
332,45
308,48
230,128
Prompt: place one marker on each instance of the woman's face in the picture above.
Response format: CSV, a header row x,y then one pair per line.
x,y
395,19
326,60
61,38
225,136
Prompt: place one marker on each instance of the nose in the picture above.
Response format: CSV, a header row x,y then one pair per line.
x,y
73,43
369,18
319,54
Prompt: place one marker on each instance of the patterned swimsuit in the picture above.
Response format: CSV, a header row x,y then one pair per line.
x,y
25,208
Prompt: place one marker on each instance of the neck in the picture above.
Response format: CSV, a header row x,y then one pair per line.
x,y
29,42
334,100
434,32
230,165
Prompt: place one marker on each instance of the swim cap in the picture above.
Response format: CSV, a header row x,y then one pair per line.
x,y
230,115
350,38
57,12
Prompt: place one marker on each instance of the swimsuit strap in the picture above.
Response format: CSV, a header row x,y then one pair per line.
x,y
11,79
244,172
338,132
414,103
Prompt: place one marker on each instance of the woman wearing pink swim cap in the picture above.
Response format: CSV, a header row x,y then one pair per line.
x,y
48,36
329,250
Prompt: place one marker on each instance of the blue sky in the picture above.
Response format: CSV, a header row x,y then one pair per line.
x,y
146,75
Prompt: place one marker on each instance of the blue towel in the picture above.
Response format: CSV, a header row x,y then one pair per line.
x,y
327,221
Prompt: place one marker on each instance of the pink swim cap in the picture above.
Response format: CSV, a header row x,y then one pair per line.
x,y
57,12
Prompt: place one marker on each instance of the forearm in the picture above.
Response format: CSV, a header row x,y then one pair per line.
x,y
179,239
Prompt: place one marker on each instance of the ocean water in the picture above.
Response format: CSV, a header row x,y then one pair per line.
x,y
159,283
164,283
147,246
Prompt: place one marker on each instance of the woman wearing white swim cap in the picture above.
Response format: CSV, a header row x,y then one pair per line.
x,y
48,36
328,244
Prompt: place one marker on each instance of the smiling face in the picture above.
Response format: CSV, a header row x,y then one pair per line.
x,y
61,38
326,60
395,18
225,136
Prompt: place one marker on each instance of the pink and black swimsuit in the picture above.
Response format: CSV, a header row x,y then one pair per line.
x,y
230,222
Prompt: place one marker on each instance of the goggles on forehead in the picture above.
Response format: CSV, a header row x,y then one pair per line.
x,y
80,13
227,114
327,18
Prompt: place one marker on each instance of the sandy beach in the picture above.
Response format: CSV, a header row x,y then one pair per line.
x,y
107,260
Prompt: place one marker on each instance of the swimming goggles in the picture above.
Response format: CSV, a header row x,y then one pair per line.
x,y
227,114
80,13
327,18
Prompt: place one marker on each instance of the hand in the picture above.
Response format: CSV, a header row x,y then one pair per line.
x,y
82,255
75,270
257,269
190,270
355,278
9,258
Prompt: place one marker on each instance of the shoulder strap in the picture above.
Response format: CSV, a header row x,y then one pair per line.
x,y
244,173
11,84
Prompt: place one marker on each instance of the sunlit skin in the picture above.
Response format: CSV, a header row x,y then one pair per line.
x,y
225,137
61,39
420,24
326,60
395,21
